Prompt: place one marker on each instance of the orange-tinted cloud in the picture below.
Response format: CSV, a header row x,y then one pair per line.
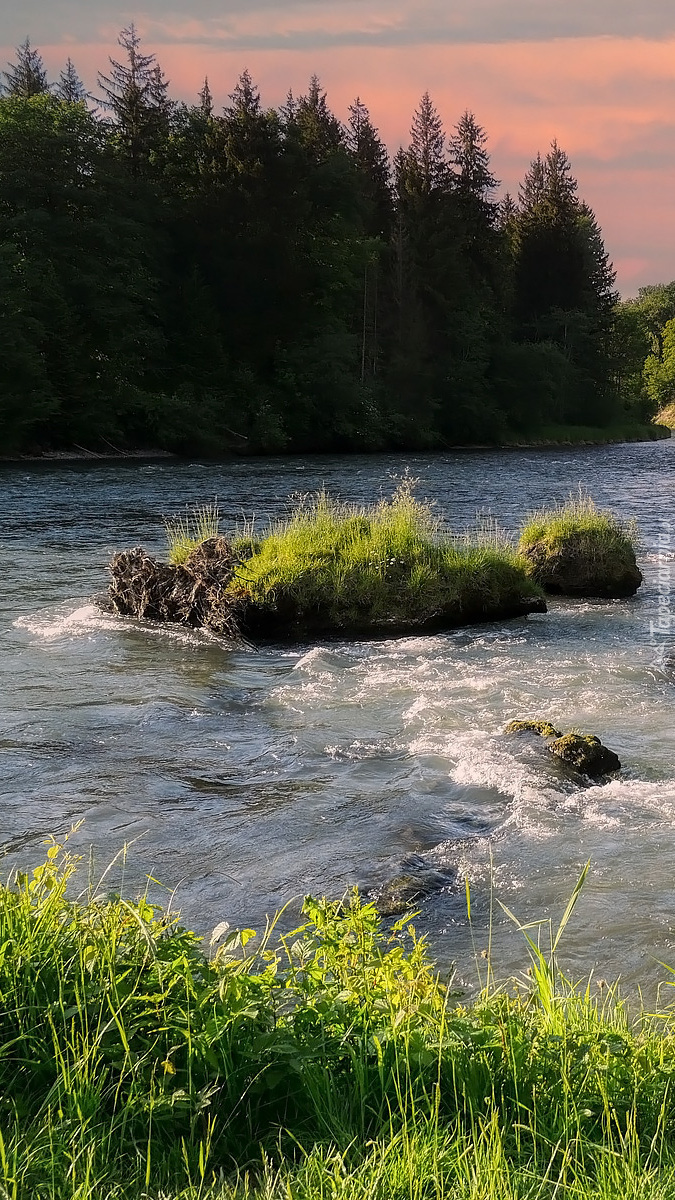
x,y
610,102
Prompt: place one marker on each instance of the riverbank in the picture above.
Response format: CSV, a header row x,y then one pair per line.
x,y
140,1062
546,436
583,435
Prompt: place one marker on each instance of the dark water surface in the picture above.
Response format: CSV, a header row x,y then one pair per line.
x,y
250,777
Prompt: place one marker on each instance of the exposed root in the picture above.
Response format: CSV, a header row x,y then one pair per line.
x,y
193,594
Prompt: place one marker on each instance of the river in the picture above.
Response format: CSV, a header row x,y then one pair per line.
x,y
245,778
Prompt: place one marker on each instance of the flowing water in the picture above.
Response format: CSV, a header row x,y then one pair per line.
x,y
245,778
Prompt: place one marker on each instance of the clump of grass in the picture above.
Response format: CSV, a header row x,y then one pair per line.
x,y
329,1062
186,533
577,548
389,565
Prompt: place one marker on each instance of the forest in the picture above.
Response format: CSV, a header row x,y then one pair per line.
x,y
258,280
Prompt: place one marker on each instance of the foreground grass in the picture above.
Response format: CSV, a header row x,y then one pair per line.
x,y
336,566
331,1062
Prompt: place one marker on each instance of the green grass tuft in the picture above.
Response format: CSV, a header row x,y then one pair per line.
x,y
578,515
389,565
185,533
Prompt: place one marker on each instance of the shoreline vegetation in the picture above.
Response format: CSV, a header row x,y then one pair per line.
x,y
250,280
391,567
328,1062
548,437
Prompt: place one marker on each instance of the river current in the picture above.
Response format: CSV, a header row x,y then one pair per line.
x,y
246,778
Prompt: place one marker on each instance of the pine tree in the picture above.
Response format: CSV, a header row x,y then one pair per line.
x,y
135,92
374,169
319,129
534,184
427,145
470,158
206,99
70,87
560,188
27,76
508,211
563,282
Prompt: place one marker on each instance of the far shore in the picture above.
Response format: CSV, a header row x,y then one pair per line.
x,y
574,436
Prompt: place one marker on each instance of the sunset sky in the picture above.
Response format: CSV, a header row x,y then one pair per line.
x,y
597,74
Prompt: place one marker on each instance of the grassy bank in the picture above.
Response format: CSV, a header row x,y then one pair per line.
x,y
588,435
330,1063
388,566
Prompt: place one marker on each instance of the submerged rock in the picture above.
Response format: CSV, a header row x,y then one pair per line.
x,y
404,892
193,594
586,754
543,728
582,564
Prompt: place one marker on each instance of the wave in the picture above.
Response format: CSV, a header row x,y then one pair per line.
x,y
65,623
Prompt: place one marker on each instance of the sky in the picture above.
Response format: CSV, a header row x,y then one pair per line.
x,y
598,75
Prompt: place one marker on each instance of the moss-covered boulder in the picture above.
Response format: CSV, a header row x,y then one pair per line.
x,y
543,728
585,754
578,550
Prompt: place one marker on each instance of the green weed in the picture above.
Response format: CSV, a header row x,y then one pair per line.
x,y
327,1062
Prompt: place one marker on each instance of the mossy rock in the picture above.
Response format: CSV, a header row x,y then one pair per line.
x,y
543,728
586,754
583,562
402,893
583,752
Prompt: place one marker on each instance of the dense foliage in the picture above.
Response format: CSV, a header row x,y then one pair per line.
x,y
327,1062
259,280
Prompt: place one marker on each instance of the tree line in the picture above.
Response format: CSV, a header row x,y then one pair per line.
x,y
259,280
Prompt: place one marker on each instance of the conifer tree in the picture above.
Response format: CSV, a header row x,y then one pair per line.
x,y
533,186
27,76
470,159
206,99
70,87
427,145
320,131
374,171
135,92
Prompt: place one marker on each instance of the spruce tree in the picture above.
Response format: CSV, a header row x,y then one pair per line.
x,y
70,87
135,92
470,159
427,145
371,158
318,128
206,99
534,184
27,76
